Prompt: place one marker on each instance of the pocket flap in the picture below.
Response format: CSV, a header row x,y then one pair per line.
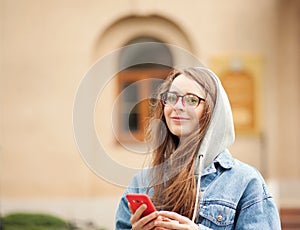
x,y
219,214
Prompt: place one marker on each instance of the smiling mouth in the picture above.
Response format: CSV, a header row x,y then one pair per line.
x,y
179,118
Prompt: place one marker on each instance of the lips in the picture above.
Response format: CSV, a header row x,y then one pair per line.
x,y
179,118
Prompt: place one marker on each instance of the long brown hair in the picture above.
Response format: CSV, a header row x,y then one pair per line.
x,y
172,175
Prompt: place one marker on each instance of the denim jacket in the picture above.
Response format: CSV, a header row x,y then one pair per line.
x,y
233,196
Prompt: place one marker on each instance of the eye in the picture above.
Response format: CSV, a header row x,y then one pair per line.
x,y
171,98
191,99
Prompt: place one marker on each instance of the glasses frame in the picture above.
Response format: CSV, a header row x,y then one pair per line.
x,y
163,95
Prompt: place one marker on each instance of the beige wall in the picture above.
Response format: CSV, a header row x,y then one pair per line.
x,y
288,87
48,46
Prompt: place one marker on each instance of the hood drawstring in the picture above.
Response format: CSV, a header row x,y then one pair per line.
x,y
198,188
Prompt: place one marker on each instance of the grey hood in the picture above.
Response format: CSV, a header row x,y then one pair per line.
x,y
218,136
220,132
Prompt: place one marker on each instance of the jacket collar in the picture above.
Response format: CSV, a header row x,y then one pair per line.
x,y
224,159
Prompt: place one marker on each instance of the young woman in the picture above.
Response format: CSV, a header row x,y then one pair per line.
x,y
194,182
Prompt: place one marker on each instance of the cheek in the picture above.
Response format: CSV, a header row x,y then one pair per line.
x,y
167,111
196,113
167,114
199,112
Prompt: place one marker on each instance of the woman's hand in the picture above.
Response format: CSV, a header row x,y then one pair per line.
x,y
139,222
172,220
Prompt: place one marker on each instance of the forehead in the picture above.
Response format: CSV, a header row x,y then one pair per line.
x,y
183,85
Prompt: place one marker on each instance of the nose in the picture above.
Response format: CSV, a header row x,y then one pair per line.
x,y
179,103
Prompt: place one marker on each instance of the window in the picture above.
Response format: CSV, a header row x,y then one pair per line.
x,y
137,85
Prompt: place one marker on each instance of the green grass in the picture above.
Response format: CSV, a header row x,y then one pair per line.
x,y
36,221
11,227
33,221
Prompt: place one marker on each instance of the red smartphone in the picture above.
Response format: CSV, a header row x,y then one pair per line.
x,y
137,199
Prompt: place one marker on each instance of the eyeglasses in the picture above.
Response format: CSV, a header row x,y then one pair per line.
x,y
189,100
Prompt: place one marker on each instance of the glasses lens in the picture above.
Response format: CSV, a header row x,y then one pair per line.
x,y
191,100
170,98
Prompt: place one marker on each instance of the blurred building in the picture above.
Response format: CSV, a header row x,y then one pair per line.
x,y
47,47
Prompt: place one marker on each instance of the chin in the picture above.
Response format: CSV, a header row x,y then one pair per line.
x,y
180,133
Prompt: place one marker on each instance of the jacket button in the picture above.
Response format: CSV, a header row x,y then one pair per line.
x,y
219,218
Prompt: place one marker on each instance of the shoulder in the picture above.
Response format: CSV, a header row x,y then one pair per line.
x,y
245,170
249,183
237,169
240,181
249,175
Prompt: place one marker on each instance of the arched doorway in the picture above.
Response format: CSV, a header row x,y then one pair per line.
x,y
175,49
